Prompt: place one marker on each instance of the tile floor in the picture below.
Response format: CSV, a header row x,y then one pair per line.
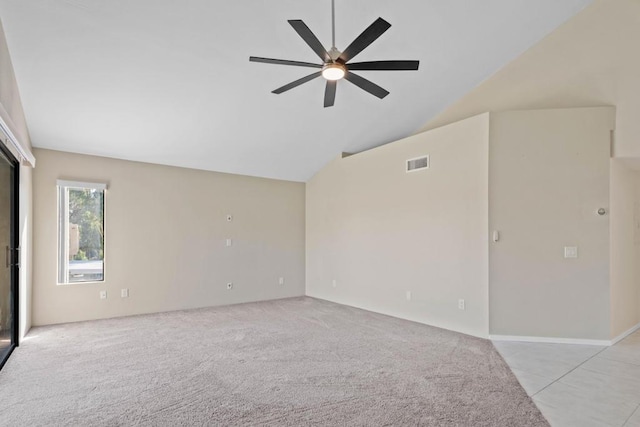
x,y
580,385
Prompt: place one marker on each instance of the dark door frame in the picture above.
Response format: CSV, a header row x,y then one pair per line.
x,y
14,253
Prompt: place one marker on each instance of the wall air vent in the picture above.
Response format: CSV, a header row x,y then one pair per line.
x,y
419,163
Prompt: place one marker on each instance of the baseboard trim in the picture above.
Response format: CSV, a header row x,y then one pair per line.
x,y
550,340
395,315
553,340
625,334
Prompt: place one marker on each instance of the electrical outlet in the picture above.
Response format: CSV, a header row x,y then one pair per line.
x,y
334,283
229,286
571,252
461,304
408,295
124,293
281,281
103,294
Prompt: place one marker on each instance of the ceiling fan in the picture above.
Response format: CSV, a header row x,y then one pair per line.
x,y
335,64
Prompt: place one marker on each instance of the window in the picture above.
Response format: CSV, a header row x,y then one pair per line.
x,y
80,232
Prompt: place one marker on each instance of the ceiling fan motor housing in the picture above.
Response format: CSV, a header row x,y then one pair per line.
x,y
334,53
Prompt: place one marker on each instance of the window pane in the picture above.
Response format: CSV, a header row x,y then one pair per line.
x,y
85,235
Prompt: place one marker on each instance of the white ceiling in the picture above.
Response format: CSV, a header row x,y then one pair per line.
x,y
169,82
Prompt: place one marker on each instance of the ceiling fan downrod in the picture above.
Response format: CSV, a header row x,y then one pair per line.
x,y
334,53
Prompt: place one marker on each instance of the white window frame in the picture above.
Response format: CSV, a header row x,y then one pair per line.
x,y
63,226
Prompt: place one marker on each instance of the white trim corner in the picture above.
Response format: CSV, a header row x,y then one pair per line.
x,y
625,334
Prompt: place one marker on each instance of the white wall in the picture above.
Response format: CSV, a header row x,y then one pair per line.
x,y
625,286
12,114
548,176
380,232
165,238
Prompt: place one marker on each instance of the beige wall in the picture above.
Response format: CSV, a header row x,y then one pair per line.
x,y
13,115
538,177
625,303
380,232
591,60
165,239
636,239
548,176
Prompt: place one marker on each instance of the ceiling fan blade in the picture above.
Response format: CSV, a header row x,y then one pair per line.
x,y
367,37
385,65
297,83
310,38
367,85
330,93
284,62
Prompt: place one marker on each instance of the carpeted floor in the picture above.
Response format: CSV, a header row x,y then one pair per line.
x,y
290,362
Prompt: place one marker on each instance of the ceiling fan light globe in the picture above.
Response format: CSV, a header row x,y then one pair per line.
x,y
333,72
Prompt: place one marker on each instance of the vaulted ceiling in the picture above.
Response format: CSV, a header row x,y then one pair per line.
x,y
169,82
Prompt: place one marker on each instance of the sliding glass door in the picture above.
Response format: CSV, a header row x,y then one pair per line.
x,y
8,250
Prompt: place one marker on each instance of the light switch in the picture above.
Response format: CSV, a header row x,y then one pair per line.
x,y
571,252
229,242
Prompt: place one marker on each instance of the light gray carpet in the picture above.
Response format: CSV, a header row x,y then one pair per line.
x,y
291,362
